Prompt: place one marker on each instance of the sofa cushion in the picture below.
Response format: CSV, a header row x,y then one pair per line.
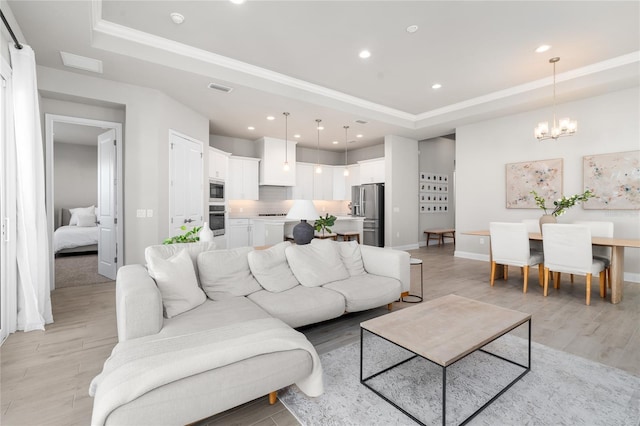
x,y
301,305
366,291
177,282
351,257
165,251
226,273
271,269
317,263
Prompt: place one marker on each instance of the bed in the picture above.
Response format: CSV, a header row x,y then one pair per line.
x,y
72,238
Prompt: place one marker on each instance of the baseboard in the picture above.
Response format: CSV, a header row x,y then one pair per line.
x,y
470,255
632,277
414,246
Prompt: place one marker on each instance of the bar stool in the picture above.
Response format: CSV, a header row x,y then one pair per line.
x,y
326,235
416,262
349,235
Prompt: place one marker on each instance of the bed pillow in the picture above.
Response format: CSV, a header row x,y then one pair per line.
x,y
86,220
91,211
176,280
317,263
226,273
271,269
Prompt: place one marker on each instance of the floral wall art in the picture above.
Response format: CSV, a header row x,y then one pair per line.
x,y
542,176
615,179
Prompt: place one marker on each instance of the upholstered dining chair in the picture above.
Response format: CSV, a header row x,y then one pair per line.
x,y
510,247
601,229
533,227
567,248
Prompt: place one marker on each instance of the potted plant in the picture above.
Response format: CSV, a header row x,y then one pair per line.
x,y
188,237
560,205
323,223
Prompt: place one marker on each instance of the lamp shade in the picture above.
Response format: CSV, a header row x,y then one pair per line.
x,y
303,210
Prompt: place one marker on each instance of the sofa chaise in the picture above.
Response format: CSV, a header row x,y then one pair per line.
x,y
203,330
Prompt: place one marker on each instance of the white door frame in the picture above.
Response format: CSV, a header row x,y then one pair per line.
x,y
50,120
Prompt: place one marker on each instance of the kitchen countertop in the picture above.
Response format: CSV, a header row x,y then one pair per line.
x,y
284,219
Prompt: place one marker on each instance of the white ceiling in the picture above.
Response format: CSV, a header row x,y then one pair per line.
x,y
302,57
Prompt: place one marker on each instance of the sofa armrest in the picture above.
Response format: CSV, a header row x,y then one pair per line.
x,y
138,303
388,263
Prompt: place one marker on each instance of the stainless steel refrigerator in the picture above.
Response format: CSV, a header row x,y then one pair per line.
x,y
368,201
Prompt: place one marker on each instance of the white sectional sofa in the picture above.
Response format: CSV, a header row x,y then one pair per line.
x,y
203,330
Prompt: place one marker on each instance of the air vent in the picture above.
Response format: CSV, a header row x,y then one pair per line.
x,y
361,122
220,87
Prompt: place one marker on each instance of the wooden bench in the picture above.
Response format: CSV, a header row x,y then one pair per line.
x,y
440,235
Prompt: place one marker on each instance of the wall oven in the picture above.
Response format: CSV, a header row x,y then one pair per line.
x,y
216,191
217,220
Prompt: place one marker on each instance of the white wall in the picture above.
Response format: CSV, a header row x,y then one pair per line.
x,y
75,169
401,192
438,156
608,123
149,115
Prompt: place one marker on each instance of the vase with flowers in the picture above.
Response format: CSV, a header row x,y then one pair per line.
x,y
560,205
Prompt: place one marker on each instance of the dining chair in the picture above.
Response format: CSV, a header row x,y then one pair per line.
x,y
567,249
510,247
601,229
533,227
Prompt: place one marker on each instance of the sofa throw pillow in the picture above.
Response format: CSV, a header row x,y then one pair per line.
x,y
176,280
165,251
271,269
225,273
85,220
351,257
90,211
317,263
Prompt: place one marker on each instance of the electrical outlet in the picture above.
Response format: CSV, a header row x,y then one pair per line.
x,y
481,241
397,235
241,209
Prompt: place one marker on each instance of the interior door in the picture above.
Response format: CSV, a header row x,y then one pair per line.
x,y
106,210
187,178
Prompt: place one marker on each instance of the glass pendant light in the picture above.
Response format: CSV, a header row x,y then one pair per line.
x,y
318,168
285,167
346,141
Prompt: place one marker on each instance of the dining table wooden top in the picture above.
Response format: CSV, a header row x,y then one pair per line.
x,y
599,241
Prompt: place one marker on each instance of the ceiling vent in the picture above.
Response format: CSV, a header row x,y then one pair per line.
x,y
361,122
81,62
220,87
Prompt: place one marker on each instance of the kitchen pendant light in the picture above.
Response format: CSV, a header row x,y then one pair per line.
x,y
285,167
560,128
318,168
346,141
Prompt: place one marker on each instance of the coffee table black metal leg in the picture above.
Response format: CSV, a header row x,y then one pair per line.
x,y
444,396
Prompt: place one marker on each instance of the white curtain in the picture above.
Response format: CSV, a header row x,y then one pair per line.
x,y
32,245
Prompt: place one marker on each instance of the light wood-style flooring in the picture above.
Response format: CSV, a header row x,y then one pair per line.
x,y
45,375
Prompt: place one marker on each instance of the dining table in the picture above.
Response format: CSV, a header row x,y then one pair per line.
x,y
617,256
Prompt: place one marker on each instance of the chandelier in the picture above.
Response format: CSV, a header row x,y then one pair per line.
x,y
560,128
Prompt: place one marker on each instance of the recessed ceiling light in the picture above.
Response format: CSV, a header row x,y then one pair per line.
x,y
412,29
320,128
251,128
177,18
81,62
271,118
436,86
542,48
237,1
358,136
296,135
364,54
335,142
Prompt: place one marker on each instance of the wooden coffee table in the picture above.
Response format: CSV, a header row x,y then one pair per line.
x,y
443,331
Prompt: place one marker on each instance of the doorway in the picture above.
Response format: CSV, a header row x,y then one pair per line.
x,y
102,194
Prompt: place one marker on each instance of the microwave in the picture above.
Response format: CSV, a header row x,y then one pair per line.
x,y
216,191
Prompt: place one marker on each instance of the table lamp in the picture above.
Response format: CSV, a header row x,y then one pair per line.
x,y
303,210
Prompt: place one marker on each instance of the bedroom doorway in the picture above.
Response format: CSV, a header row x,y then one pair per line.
x,y
91,178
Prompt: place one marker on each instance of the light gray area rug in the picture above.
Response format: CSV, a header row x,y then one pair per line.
x,y
560,389
78,270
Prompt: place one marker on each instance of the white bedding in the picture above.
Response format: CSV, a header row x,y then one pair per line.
x,y
74,236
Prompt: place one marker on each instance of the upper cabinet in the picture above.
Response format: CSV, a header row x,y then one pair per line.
x,y
218,164
243,178
372,171
323,183
303,190
272,153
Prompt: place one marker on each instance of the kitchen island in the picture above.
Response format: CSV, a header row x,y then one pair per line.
x,y
269,230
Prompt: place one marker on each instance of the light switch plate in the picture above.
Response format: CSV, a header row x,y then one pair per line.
x,y
141,213
149,212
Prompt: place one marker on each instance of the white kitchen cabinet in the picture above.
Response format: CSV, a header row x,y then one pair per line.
x,y
371,171
218,164
303,190
239,233
242,182
323,183
272,155
353,179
